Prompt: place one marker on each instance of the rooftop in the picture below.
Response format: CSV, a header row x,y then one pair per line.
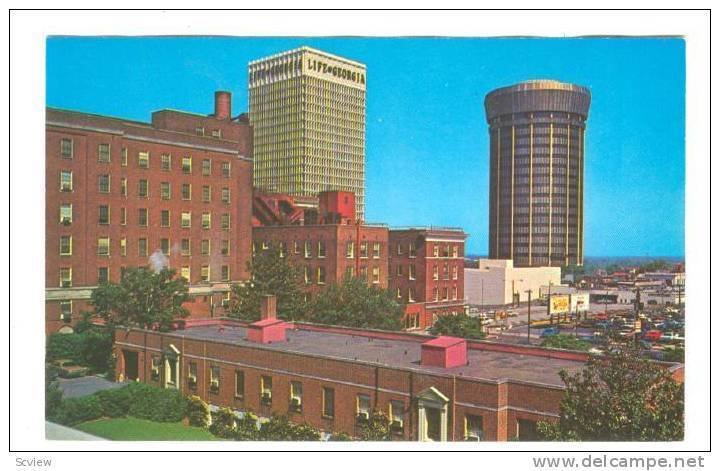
x,y
401,351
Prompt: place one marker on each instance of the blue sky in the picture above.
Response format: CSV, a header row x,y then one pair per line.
x,y
427,143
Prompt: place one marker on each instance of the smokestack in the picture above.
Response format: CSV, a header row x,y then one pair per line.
x,y
223,105
268,307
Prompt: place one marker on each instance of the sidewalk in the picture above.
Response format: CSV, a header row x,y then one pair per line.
x,y
60,432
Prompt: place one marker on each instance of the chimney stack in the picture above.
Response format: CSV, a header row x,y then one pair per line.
x,y
268,307
223,105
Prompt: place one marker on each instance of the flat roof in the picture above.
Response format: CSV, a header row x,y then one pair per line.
x,y
493,366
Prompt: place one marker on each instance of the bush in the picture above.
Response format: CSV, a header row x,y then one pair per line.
x,y
78,409
223,423
115,402
96,349
198,412
65,346
246,427
156,404
280,428
53,395
339,437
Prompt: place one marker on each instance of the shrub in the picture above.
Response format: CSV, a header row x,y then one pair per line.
x,y
198,412
78,409
280,428
223,423
53,394
65,346
339,437
115,402
246,428
96,349
377,428
156,404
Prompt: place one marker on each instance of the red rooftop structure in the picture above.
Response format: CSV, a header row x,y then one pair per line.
x,y
269,328
444,352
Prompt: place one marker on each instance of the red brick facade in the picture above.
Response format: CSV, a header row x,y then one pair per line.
x,y
182,184
327,253
426,272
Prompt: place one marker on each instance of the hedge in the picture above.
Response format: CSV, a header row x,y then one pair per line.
x,y
68,346
78,409
156,404
198,412
115,402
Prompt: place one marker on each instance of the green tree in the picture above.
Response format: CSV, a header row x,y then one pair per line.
x,y
376,428
355,303
53,394
270,274
565,341
674,354
458,325
622,397
143,298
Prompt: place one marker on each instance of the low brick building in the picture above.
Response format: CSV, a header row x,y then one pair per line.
x,y
119,190
426,272
331,377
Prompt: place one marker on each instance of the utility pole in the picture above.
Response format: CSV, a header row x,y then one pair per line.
x,y
549,296
529,292
637,311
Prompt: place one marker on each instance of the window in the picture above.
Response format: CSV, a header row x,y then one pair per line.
x,y
362,407
376,250
363,250
349,271
296,247
214,379
321,249
104,183
397,412
216,133
66,180
306,275
527,430
103,246
225,273
411,295
226,169
473,428
185,219
165,162
165,190
66,277
123,157
321,275
445,294
205,247
206,220
308,249
200,131
66,214
363,273
455,251
143,188
103,214
123,247
185,273
165,246
66,148
144,159
446,251
399,270
266,390
65,245
225,221
455,272
295,396
155,367
398,293
239,384
187,165
165,218
192,375
435,275
411,272
206,167
436,251
185,247
66,311
225,195
186,191
399,249
205,273
328,403
104,153
436,294
226,300
142,247
446,272
102,275
123,216
376,275
350,250
206,193
412,250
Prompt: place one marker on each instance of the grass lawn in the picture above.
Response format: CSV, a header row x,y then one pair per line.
x,y
137,429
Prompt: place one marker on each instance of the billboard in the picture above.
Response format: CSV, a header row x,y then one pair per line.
x,y
559,304
580,302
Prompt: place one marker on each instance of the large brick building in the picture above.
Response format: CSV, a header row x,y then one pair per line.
x,y
426,272
329,244
432,388
117,191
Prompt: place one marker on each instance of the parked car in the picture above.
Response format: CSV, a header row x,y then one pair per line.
x,y
549,332
652,335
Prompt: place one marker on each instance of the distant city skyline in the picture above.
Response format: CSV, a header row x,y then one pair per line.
x,y
427,139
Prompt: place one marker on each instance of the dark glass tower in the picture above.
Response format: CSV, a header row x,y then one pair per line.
x,y
537,151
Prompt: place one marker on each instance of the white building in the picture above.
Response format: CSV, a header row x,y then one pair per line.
x,y
493,282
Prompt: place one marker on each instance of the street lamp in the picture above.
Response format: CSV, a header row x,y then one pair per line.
x,y
529,292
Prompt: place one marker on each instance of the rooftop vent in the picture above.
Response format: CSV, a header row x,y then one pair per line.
x,y
444,352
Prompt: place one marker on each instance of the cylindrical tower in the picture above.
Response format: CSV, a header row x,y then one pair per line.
x,y
537,150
